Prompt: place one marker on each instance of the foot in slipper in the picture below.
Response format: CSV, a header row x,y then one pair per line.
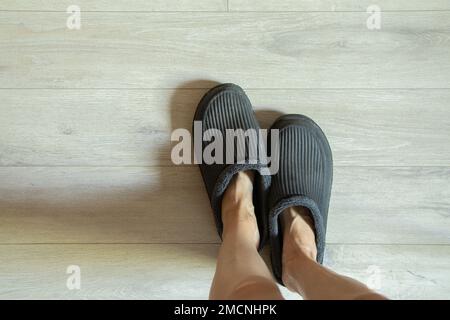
x,y
223,108
300,192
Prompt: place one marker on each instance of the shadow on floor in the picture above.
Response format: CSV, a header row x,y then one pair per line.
x,y
137,205
179,110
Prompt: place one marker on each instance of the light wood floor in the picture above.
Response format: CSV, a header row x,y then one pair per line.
x,y
86,115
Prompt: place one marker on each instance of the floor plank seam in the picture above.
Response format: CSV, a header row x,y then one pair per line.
x,y
206,244
245,88
222,11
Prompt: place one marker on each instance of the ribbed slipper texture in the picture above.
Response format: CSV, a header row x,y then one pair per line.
x,y
228,107
304,179
303,169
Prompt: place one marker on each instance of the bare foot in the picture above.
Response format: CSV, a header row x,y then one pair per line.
x,y
238,212
299,240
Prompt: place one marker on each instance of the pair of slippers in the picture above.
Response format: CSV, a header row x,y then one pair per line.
x,y
305,169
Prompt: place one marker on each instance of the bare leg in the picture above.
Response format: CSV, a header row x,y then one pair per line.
x,y
241,272
301,272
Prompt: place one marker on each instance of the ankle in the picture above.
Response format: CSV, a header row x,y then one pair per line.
x,y
298,233
237,207
239,191
298,260
299,245
237,202
241,228
296,250
238,213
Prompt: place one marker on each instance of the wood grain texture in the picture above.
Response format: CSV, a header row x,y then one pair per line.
x,y
153,271
169,205
256,50
132,127
116,5
85,119
221,5
336,5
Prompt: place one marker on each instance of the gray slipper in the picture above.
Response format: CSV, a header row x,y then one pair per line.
x,y
228,107
304,179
